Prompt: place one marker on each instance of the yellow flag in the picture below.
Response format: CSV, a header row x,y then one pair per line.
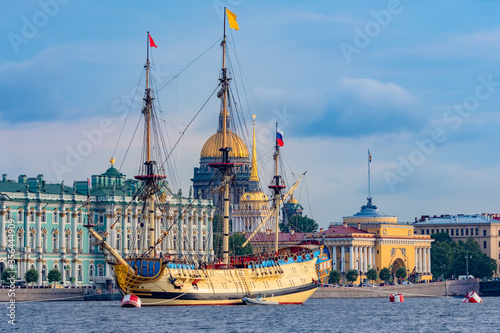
x,y
232,20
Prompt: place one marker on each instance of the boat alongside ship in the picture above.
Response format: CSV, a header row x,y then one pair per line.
x,y
288,274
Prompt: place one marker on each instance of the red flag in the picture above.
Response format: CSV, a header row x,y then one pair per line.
x,y
152,42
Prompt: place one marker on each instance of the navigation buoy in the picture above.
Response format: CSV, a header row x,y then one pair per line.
x,y
396,298
131,301
472,297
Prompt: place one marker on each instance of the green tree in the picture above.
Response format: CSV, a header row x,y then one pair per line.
x,y
385,274
401,273
334,277
352,275
54,276
442,258
479,264
8,274
235,242
31,276
371,274
299,224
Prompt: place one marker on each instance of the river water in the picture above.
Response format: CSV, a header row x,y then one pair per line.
x,y
316,315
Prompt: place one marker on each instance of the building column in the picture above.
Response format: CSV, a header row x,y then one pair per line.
x,y
62,217
428,260
425,260
3,238
334,257
421,260
74,235
133,234
351,257
39,264
365,259
370,257
416,260
38,235
342,258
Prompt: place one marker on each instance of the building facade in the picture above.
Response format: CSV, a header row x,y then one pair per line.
x,y
370,239
44,225
485,229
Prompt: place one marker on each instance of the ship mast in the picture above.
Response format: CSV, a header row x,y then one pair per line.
x,y
277,186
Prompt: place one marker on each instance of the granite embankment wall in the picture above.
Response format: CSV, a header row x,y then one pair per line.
x,y
435,289
33,295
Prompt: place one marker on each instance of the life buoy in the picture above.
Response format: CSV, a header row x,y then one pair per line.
x,y
276,259
285,258
295,257
303,256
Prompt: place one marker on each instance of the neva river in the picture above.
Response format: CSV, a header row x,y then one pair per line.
x,y
316,315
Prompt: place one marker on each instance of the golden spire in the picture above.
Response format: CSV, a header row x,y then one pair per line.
x,y
254,175
112,161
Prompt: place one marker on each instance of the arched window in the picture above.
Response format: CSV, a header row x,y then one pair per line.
x,y
79,242
91,270
139,241
100,270
129,241
185,244
54,242
20,240
32,242
204,243
195,248
44,242
44,216
80,273
175,243
79,217
118,242
68,242
67,273
20,215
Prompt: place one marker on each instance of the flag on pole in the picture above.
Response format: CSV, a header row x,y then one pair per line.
x,y
369,156
231,18
152,42
279,138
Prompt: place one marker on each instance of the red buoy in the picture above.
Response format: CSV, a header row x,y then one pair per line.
x,y
131,301
396,298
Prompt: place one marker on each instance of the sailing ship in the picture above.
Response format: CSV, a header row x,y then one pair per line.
x,y
287,275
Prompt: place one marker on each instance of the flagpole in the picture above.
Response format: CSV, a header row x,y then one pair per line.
x,y
369,161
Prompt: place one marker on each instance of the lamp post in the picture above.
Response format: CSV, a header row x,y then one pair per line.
x,y
467,264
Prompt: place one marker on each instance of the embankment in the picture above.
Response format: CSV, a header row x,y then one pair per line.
x,y
435,289
44,294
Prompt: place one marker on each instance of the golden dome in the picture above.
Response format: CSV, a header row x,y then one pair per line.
x,y
292,200
253,196
214,143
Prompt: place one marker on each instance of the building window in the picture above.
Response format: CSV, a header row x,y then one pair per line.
x,y
44,216
185,245
80,273
432,231
484,232
79,241
20,215
466,232
68,217
32,216
68,244
461,231
175,243
427,231
442,231
44,242
100,270
195,248
44,272
32,241
79,217
447,231
452,232
118,242
129,218
129,241
54,242
55,216
91,270
204,243
484,244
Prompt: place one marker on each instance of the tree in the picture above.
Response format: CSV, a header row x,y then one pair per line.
x,y
442,258
371,274
299,224
334,277
54,276
352,275
401,273
385,274
31,276
235,242
9,275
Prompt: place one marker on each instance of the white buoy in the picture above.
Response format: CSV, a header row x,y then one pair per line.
x,y
472,297
396,298
131,301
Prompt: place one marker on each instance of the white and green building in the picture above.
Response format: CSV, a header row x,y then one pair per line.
x,y
47,223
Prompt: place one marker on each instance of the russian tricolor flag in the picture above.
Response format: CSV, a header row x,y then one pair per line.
x,y
279,138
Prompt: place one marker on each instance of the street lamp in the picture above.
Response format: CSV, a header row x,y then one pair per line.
x,y
467,256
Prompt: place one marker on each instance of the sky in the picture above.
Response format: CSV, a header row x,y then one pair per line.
x,y
415,82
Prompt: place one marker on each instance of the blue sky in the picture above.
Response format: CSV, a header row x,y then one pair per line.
x,y
419,85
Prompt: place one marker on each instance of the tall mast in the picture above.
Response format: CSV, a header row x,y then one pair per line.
x,y
369,162
277,186
225,153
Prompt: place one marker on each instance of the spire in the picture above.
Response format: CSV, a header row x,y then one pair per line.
x,y
254,175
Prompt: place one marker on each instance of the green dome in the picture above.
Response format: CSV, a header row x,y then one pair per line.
x,y
112,172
